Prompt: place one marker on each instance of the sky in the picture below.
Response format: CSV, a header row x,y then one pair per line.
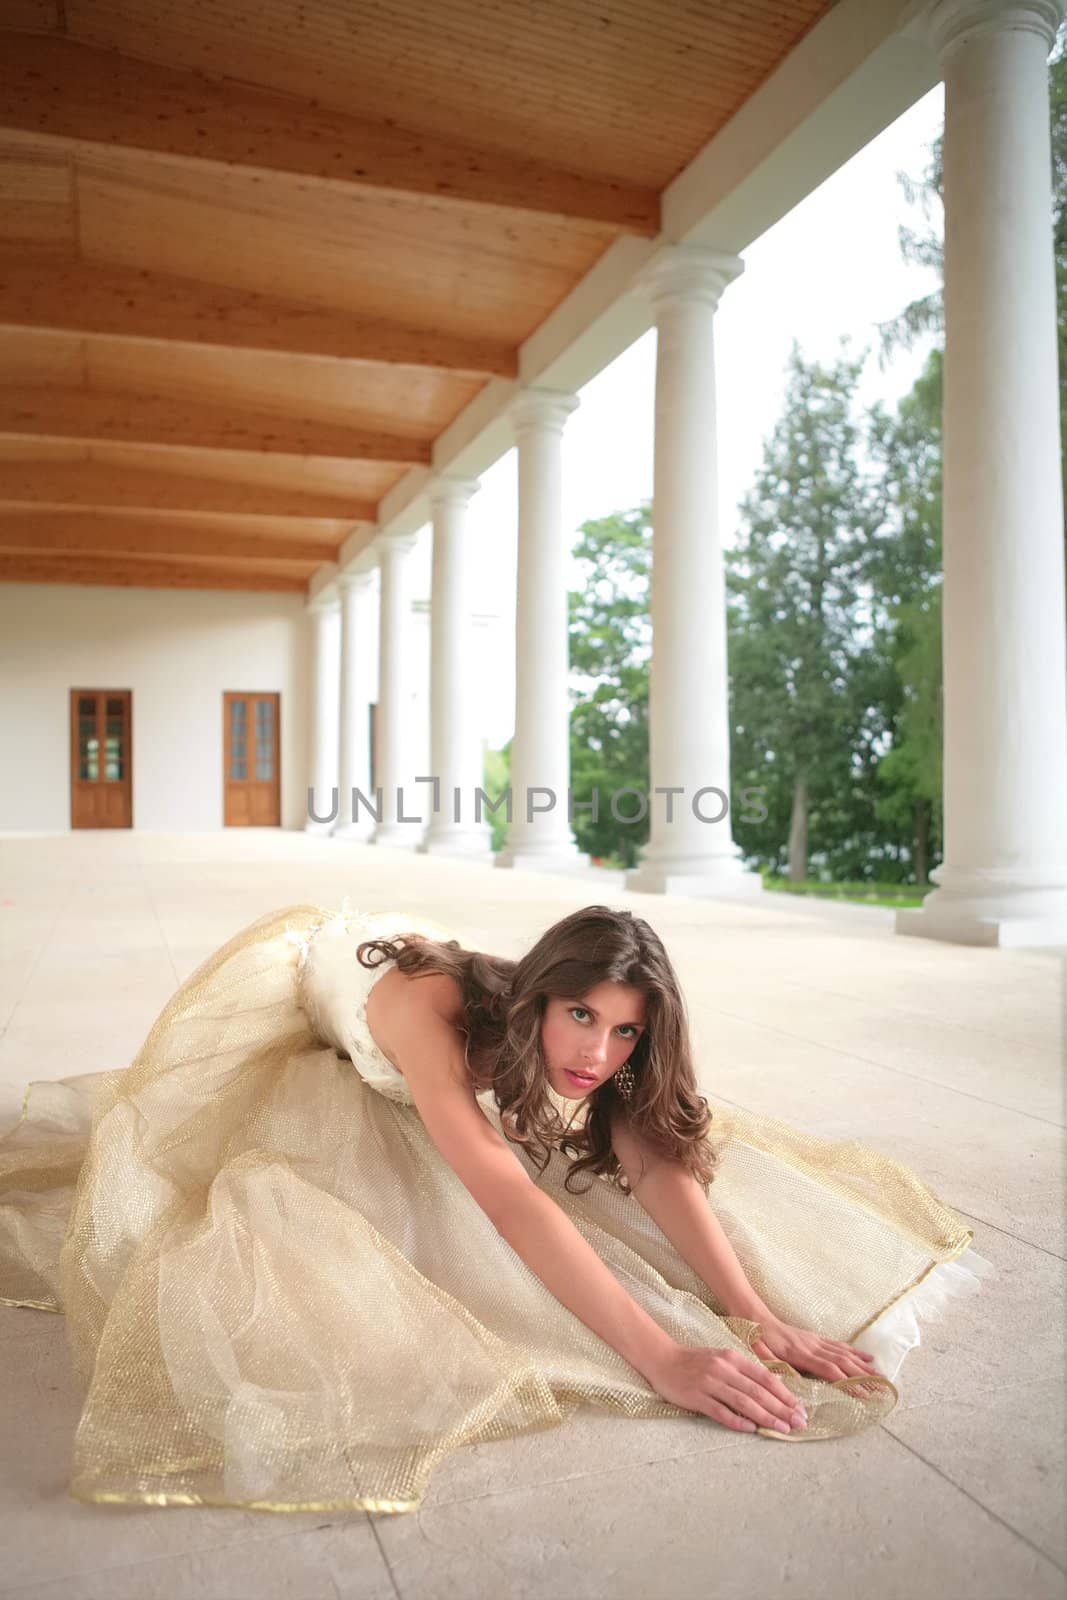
x,y
831,268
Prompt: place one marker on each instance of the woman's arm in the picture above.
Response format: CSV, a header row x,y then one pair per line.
x,y
430,1057
678,1205
429,1051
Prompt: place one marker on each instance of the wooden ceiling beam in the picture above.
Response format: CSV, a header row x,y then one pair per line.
x,y
55,89
117,302
126,573
101,486
82,534
39,412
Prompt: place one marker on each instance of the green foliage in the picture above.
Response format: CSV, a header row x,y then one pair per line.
x,y
927,314
1058,131
799,623
833,612
833,644
610,646
907,579
910,772
496,775
867,891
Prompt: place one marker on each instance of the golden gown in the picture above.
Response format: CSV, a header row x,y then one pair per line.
x,y
279,1295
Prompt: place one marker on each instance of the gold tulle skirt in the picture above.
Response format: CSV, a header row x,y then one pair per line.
x,y
278,1294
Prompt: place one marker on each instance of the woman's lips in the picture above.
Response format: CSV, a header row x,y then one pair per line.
x,y
583,1080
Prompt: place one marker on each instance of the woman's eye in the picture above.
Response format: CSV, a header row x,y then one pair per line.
x,y
629,1033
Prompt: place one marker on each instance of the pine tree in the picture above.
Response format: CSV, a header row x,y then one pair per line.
x,y
905,575
610,649
800,620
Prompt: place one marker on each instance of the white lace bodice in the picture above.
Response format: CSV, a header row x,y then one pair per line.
x,y
335,986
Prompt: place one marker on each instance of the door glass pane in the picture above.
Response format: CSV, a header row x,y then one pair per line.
x,y
264,741
88,744
113,749
238,741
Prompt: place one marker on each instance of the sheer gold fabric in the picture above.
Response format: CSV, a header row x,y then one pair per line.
x,y
279,1295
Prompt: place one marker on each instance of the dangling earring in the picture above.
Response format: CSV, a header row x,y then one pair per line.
x,y
624,1080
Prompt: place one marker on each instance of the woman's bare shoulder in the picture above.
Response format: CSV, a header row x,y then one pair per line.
x,y
399,1003
431,992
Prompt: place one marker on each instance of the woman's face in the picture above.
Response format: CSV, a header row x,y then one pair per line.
x,y
588,1038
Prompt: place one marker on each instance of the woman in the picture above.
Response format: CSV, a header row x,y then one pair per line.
x,y
365,1196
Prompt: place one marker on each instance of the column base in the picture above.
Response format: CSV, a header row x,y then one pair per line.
x,y
324,828
353,832
470,844
560,858
1017,921
396,835
718,875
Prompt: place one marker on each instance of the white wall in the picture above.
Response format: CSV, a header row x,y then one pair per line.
x,y
177,651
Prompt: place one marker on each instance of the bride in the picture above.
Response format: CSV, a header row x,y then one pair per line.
x,y
365,1196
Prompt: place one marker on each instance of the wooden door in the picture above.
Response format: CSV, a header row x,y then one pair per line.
x,y
251,742
101,758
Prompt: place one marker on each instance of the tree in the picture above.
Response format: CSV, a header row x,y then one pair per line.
x,y
834,611
927,313
799,620
1058,131
905,577
610,649
910,773
496,776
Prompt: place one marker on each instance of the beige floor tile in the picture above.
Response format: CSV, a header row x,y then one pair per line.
x,y
48,1538
271,1565
1013,1331
1011,1074
98,1042
1005,1167
832,1520
1005,1449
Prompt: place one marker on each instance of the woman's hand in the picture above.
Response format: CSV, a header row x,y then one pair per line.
x,y
809,1352
729,1386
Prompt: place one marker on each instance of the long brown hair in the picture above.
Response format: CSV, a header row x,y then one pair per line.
x,y
504,1002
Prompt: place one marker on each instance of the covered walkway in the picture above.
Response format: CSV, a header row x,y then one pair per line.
x,y
282,282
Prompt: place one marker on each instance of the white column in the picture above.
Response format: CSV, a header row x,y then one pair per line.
x,y
690,848
356,587
540,838
455,743
324,613
404,803
1003,880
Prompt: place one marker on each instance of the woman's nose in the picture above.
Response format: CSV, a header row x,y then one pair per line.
x,y
596,1050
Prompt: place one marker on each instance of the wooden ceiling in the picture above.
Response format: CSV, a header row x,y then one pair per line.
x,y
255,258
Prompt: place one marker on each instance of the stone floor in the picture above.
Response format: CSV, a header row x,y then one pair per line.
x,y
948,1057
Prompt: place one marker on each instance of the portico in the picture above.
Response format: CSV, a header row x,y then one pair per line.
x,y
1004,877
361,317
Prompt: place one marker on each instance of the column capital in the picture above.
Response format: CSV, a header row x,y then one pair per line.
x,y
356,578
542,409
321,604
394,544
452,490
950,24
688,272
